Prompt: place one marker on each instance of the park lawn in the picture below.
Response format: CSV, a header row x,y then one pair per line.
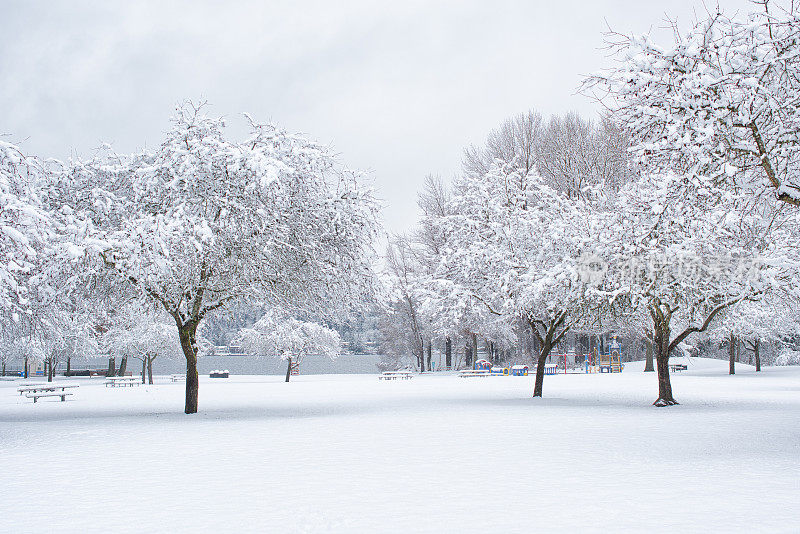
x,y
349,453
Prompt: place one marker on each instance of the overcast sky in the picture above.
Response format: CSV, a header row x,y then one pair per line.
x,y
397,88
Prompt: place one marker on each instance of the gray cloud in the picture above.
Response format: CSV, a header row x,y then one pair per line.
x,y
398,88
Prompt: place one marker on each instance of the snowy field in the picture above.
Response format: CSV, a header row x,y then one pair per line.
x,y
349,453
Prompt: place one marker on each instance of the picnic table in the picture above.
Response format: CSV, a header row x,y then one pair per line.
x,y
677,367
117,381
33,388
467,373
394,375
35,391
30,386
177,378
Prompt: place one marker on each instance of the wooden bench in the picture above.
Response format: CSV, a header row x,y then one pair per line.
x,y
394,375
63,394
43,388
115,381
178,378
677,367
467,373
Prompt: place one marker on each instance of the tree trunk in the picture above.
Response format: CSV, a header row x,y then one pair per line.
x,y
419,353
69,366
468,355
150,369
50,370
25,371
731,354
123,366
288,369
4,368
474,348
757,354
144,367
429,355
546,341
448,352
540,363
187,333
112,367
528,341
661,347
648,359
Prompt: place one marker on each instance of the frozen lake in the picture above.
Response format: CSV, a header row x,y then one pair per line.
x,y
246,365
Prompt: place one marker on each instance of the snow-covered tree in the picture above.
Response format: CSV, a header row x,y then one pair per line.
x,y
719,100
141,333
684,254
16,346
575,159
788,356
289,339
45,282
205,220
770,319
451,317
25,226
406,329
66,301
517,247
713,123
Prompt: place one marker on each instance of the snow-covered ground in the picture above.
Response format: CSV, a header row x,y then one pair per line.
x,y
349,453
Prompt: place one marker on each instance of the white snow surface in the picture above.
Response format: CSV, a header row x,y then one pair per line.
x,y
350,453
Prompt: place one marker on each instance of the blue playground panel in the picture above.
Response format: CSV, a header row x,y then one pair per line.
x,y
482,365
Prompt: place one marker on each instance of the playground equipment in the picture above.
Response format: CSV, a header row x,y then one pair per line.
x,y
482,365
566,364
565,361
514,370
519,370
609,362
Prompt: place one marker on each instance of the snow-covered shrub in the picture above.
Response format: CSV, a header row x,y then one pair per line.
x,y
788,357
